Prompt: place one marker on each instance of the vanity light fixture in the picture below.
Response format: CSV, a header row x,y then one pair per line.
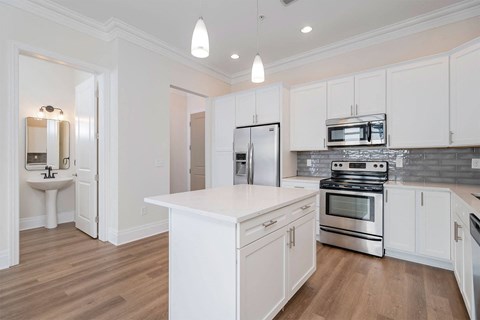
x,y
49,109
200,45
306,29
258,72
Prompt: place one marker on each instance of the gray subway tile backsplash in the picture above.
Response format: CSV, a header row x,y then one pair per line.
x,y
447,165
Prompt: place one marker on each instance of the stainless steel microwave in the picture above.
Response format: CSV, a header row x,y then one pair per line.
x,y
366,130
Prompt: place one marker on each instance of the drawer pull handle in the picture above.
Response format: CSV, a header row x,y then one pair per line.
x,y
305,207
269,223
299,187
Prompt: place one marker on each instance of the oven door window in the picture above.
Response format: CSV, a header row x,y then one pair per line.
x,y
348,134
351,206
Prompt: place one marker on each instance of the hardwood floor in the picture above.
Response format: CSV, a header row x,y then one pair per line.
x,y
66,275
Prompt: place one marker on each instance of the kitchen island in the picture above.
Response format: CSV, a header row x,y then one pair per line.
x,y
238,252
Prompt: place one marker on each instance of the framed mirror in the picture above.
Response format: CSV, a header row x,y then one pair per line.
x,y
47,143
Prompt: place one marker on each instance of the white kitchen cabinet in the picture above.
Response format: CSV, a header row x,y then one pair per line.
x,y
263,276
462,251
222,169
268,105
418,104
245,108
360,95
370,93
224,122
399,223
433,224
259,106
310,184
465,96
341,98
308,108
301,253
417,223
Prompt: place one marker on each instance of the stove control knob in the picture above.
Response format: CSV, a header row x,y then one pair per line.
x,y
375,165
335,165
341,165
381,166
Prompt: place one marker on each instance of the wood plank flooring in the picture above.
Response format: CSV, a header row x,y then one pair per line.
x,y
66,275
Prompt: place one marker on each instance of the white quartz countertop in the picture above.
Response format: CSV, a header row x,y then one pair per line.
x,y
463,191
305,179
234,203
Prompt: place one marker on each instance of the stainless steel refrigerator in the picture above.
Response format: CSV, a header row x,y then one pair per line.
x,y
257,155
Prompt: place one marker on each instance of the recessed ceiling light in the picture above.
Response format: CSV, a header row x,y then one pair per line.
x,y
306,29
234,56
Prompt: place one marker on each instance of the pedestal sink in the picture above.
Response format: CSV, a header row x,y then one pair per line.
x,y
51,187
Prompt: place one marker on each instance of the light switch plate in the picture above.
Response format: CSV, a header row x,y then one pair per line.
x,y
399,162
475,163
309,162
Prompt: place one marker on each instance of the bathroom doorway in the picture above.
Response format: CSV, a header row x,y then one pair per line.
x,y
62,130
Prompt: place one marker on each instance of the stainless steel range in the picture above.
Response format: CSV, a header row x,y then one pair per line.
x,y
351,206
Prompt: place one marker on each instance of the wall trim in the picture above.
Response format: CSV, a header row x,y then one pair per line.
x,y
136,233
39,221
443,264
115,28
4,259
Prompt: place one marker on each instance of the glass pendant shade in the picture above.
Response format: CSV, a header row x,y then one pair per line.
x,y
200,45
258,73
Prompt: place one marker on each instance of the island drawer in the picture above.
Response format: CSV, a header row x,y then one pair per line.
x,y
256,228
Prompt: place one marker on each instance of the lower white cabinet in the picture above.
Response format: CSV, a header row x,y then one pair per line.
x,y
417,223
462,251
274,267
309,185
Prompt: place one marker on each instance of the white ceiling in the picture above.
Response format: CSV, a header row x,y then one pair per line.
x,y
231,23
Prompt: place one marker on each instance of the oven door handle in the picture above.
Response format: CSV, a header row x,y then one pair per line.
x,y
369,132
351,234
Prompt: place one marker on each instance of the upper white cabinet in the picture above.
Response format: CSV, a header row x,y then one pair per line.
x,y
340,98
245,109
417,104
359,95
224,122
370,93
308,108
465,97
258,106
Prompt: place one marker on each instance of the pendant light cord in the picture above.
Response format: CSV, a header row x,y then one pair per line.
x,y
257,26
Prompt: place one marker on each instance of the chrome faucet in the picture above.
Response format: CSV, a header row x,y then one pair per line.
x,y
50,174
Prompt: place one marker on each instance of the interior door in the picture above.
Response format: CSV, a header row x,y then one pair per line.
x,y
197,151
265,151
86,158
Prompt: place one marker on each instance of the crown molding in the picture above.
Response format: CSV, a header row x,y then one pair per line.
x,y
450,14
113,29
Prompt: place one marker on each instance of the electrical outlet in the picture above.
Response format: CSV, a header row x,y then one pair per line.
x,y
475,163
399,162
309,162
144,211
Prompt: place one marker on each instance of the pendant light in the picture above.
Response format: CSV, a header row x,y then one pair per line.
x,y
258,72
200,44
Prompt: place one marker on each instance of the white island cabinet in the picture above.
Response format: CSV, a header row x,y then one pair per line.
x,y
238,252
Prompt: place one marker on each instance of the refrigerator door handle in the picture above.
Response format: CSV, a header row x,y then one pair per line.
x,y
248,163
252,169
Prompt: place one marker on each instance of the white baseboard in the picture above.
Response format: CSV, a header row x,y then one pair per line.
x,y
4,259
136,233
443,264
39,221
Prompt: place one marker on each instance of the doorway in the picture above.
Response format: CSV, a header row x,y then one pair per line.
x,y
187,140
99,134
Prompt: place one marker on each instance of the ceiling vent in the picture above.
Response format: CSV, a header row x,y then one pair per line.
x,y
287,2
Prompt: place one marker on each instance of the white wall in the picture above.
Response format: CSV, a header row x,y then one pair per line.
x,y
421,44
142,79
43,83
178,142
